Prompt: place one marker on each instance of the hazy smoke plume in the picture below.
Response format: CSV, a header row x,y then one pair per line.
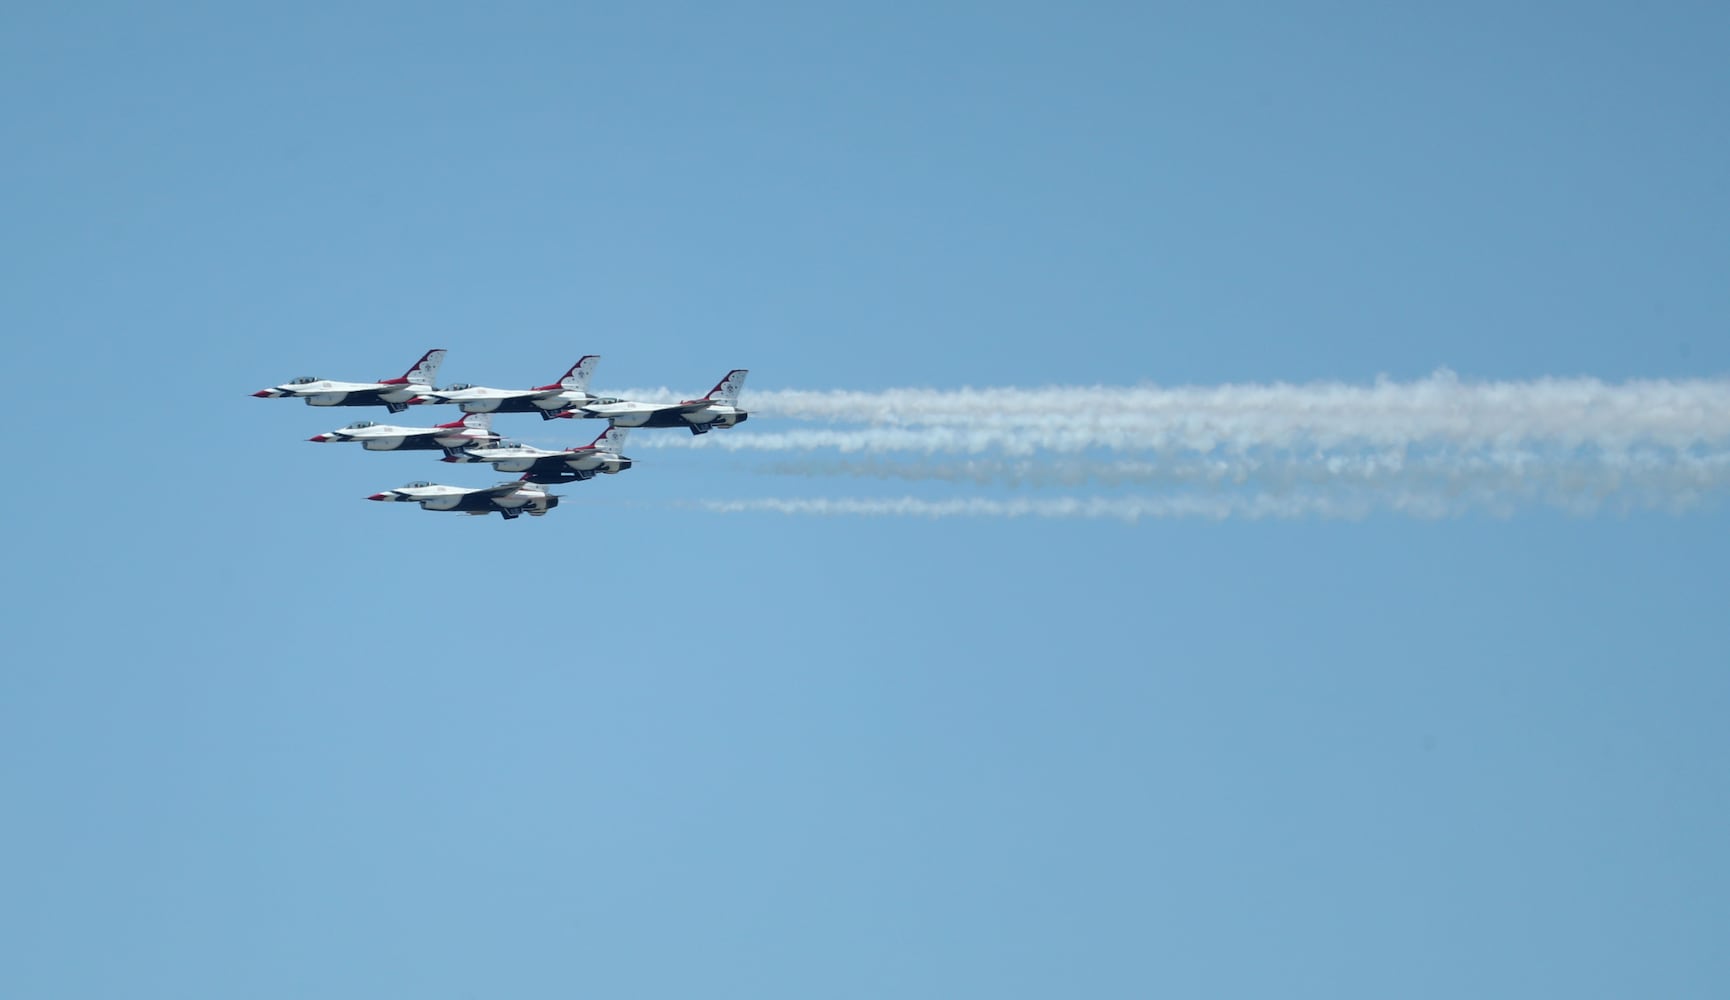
x,y
1432,447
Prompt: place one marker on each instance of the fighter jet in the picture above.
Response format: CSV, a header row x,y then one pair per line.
x,y
538,465
510,499
475,429
392,393
549,401
717,409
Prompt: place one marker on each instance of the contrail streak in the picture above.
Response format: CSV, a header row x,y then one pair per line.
x,y
1219,506
1434,447
1651,473
1124,509
1442,408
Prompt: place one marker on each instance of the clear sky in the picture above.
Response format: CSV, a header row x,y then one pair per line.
x,y
259,738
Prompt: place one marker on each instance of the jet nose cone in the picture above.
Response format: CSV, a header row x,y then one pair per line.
x,y
264,394
450,458
378,496
320,438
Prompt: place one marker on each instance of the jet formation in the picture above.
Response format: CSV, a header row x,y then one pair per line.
x,y
470,439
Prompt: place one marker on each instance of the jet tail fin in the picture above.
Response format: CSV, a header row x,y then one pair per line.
x,y
577,379
727,390
477,421
610,440
422,372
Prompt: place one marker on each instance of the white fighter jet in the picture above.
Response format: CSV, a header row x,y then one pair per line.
x,y
538,465
474,429
717,409
393,393
510,499
549,401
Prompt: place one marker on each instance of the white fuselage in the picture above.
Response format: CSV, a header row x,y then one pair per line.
x,y
394,393
628,414
481,399
525,458
383,437
325,392
509,499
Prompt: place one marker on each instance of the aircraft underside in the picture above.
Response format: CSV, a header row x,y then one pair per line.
x,y
512,406
366,398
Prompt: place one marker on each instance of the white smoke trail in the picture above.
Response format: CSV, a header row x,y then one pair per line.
x,y
1123,508
1651,473
1433,447
1441,408
1219,506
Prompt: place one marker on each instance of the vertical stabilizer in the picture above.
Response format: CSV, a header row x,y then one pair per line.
x,y
727,390
577,379
482,422
423,371
610,440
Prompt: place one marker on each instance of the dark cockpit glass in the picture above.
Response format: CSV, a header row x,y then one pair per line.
x,y
456,387
304,380
358,424
416,484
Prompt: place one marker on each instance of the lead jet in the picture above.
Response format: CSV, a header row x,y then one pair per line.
x,y
538,465
550,401
510,499
392,393
475,429
717,409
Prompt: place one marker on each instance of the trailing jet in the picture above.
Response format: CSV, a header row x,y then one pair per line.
x,y
473,429
539,465
549,401
393,393
717,409
510,499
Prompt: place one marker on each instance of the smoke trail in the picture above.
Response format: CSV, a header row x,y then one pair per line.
x,y
1653,473
1218,506
1441,408
1128,509
1434,447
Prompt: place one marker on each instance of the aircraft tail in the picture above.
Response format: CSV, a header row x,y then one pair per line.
x,y
727,390
610,440
577,379
422,372
475,421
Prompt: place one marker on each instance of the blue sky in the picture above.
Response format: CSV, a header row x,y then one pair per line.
x,y
260,738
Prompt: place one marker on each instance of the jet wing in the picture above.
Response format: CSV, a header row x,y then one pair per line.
x,y
557,460
620,409
502,489
623,409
